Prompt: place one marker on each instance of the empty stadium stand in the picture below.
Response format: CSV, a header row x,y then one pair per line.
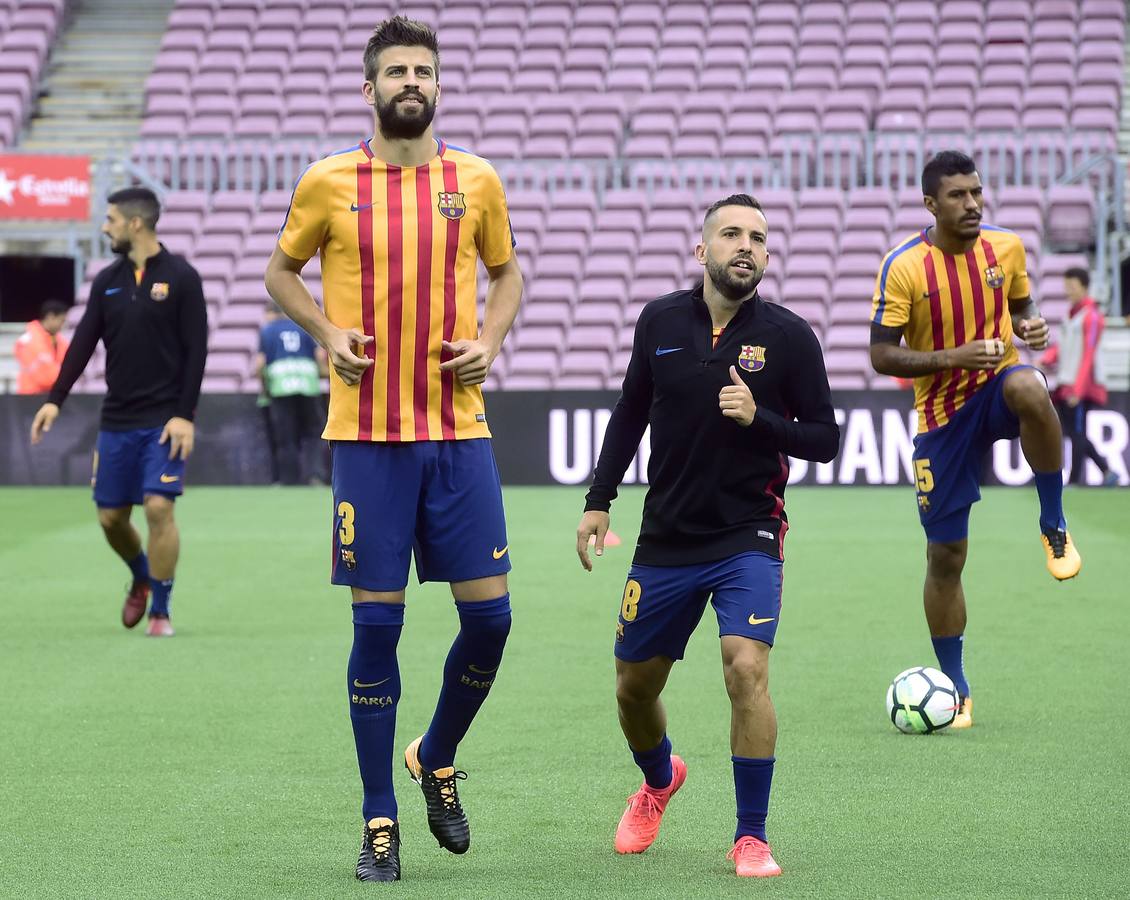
x,y
632,82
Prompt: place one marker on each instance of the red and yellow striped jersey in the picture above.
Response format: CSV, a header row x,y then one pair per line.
x,y
943,301
399,252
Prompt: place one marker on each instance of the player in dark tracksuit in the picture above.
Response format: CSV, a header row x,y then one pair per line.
x,y
148,309
731,386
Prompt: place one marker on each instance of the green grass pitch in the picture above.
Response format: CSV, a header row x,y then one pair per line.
x,y
220,763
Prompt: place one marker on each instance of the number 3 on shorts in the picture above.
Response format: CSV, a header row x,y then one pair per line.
x,y
924,475
345,532
630,605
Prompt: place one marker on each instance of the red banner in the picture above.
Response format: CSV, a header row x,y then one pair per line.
x,y
45,187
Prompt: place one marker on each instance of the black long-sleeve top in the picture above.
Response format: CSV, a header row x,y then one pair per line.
x,y
716,488
156,336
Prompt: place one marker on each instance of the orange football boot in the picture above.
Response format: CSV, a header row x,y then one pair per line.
x,y
1063,558
753,858
639,826
964,717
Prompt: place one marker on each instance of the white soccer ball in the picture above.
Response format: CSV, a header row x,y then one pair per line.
x,y
921,700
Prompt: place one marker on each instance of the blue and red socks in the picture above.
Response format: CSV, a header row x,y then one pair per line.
x,y
374,690
753,779
468,674
1049,487
950,653
656,764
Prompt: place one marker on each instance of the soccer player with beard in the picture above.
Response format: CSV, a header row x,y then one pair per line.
x,y
401,221
958,292
148,310
731,386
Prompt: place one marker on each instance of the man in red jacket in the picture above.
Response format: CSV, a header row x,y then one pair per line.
x,y
1081,388
40,349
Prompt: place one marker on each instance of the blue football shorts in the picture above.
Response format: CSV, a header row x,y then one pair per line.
x,y
440,501
128,465
948,460
662,605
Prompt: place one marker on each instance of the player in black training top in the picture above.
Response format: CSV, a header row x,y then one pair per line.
x,y
731,386
148,309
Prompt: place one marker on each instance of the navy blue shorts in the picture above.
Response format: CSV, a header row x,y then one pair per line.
x,y
948,460
441,500
662,605
128,465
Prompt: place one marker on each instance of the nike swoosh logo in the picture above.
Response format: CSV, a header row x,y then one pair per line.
x,y
753,620
663,351
356,208
498,554
109,291
359,684
169,479
479,671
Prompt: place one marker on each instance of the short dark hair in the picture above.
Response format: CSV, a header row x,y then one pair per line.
x,y
1079,274
138,201
746,200
399,31
948,162
53,307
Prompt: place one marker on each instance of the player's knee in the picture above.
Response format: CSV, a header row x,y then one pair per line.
x,y
1026,394
113,519
158,511
746,675
946,560
632,689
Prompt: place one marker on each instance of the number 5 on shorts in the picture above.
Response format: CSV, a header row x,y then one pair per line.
x,y
630,606
924,475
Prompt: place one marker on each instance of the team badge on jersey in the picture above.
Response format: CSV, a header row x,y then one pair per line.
x,y
349,558
159,291
994,277
752,359
451,205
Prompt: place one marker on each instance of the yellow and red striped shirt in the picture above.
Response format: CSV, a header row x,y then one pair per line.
x,y
944,301
399,252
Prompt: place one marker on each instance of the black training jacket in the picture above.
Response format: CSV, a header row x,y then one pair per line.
x,y
716,488
156,337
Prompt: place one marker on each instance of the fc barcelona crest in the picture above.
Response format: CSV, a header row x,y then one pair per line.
x,y
451,205
994,277
159,291
752,359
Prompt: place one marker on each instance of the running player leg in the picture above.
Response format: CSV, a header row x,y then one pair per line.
x,y
943,598
659,610
164,550
162,482
747,591
1041,439
947,466
375,495
116,483
461,539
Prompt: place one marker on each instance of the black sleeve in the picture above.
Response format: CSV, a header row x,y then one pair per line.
x,y
814,435
82,346
193,327
625,427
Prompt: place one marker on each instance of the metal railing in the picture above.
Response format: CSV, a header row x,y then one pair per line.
x,y
875,159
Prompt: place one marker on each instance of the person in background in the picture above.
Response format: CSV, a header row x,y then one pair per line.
x,y
1075,360
40,349
291,367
